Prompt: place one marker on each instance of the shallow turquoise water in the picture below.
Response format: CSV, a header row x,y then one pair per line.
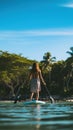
x,y
57,116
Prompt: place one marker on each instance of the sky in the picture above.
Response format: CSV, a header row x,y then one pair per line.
x,y
35,27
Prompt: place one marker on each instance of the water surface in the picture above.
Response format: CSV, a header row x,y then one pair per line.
x,y
57,116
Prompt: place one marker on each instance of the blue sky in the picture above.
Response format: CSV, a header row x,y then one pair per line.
x,y
34,27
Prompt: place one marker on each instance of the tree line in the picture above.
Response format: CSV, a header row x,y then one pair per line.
x,y
14,71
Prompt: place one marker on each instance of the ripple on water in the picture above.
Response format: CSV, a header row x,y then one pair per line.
x,y
51,116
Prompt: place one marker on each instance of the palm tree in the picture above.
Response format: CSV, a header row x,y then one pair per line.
x,y
47,63
70,52
47,60
69,63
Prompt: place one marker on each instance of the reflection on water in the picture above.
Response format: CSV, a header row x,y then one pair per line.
x,y
58,116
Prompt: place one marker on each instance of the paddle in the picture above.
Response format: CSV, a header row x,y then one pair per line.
x,y
51,98
18,91
16,97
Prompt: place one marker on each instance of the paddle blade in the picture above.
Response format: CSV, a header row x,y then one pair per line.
x,y
52,100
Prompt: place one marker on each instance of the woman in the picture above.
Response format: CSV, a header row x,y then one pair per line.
x,y
35,79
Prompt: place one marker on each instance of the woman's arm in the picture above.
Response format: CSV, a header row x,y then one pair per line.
x,y
30,76
41,77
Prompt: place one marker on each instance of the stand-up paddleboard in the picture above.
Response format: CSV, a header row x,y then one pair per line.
x,y
34,102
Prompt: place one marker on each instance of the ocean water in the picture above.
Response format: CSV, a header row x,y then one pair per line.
x,y
57,116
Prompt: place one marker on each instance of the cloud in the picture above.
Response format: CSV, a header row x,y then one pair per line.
x,y
68,5
33,33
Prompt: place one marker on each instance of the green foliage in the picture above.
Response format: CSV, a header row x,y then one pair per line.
x,y
14,71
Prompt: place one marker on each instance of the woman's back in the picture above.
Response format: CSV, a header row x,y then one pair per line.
x,y
35,75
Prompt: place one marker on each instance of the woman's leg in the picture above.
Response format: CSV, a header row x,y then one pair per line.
x,y
31,96
37,95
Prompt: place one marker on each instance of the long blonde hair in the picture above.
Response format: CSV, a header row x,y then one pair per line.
x,y
34,73
35,67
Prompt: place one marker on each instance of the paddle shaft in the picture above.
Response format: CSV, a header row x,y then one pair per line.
x,y
15,101
51,98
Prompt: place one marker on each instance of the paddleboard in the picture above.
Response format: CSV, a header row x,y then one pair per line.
x,y
34,102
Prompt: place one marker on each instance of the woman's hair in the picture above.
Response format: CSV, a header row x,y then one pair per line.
x,y
35,67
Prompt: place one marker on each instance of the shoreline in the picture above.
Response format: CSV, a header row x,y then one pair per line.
x,y
69,100
64,100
